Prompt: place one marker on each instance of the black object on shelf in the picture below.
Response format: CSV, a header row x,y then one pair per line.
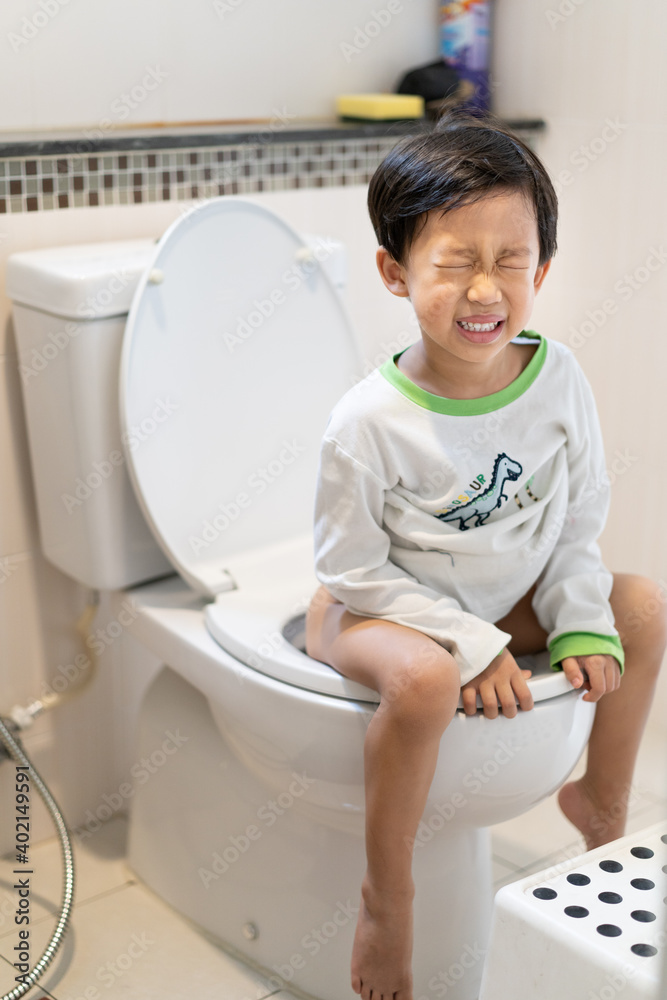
x,y
439,85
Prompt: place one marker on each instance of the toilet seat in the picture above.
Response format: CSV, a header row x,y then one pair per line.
x,y
255,623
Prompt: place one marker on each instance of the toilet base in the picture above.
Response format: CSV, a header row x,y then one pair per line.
x,y
276,888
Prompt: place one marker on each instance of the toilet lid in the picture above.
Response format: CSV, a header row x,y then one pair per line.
x,y
236,349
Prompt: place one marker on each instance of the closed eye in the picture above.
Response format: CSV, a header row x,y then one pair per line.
x,y
519,263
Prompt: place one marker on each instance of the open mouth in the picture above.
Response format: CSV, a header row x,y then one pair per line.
x,y
479,327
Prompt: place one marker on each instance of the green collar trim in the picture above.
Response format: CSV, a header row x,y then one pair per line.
x,y
468,407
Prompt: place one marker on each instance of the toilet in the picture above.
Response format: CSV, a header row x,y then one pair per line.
x,y
176,394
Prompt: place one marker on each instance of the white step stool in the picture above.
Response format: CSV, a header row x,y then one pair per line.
x,y
591,928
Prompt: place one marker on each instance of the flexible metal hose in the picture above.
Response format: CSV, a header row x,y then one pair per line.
x,y
15,750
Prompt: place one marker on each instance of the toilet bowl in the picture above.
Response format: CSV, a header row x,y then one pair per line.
x,y
233,353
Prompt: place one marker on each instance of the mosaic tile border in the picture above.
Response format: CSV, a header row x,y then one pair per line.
x,y
44,183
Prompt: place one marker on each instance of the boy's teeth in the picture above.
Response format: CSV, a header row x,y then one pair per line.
x,y
478,327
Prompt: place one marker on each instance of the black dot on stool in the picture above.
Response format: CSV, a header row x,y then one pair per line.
x,y
642,883
576,878
664,868
611,866
576,911
610,897
642,852
544,893
644,949
609,930
664,838
644,915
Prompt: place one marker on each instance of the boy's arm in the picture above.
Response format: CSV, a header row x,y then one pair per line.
x,y
352,561
571,600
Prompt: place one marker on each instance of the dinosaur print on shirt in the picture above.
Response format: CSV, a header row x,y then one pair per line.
x,y
481,506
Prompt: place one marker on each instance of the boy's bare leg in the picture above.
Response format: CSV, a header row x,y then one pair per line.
x,y
597,803
418,682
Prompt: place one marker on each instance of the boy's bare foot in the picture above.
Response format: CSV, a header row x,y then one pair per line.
x,y
382,950
599,822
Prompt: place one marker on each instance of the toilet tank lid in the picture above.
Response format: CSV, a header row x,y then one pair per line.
x,y
85,282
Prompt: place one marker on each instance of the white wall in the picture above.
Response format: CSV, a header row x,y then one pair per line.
x,y
74,63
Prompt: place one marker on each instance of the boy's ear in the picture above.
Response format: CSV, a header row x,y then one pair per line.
x,y
541,274
392,273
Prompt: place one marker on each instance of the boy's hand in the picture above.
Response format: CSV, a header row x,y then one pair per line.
x,y
503,682
596,674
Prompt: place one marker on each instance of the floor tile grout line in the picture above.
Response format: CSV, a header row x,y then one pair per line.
x,y
549,860
77,904
504,861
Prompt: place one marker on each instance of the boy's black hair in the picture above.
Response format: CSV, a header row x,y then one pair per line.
x,y
462,159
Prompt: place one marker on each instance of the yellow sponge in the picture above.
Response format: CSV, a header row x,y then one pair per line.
x,y
380,107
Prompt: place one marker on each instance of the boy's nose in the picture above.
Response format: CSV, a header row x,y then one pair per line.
x,y
484,290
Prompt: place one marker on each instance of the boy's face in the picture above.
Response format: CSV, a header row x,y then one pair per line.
x,y
471,275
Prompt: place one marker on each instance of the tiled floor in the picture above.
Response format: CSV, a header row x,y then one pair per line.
x,y
125,942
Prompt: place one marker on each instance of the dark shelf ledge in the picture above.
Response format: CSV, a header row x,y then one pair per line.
x,y
93,141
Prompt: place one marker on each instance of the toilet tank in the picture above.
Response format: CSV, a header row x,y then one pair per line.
x,y
70,306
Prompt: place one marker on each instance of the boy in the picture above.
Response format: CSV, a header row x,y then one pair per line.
x,y
461,493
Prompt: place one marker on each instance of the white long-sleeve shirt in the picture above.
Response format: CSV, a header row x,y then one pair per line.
x,y
440,514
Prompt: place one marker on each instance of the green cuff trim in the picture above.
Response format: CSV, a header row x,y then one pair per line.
x,y
585,644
